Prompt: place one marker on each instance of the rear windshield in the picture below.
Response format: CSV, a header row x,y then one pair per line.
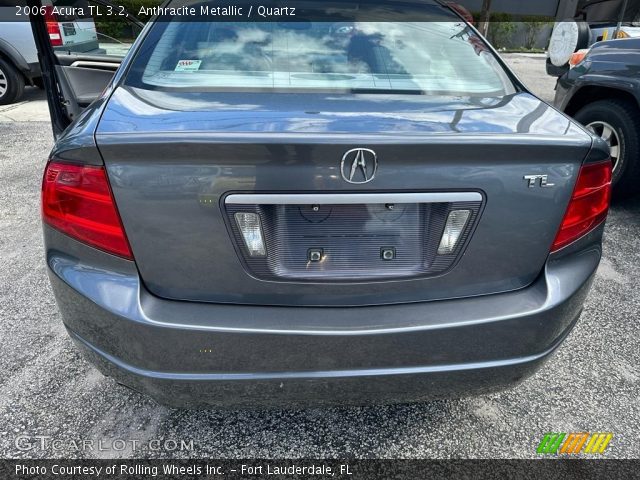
x,y
385,57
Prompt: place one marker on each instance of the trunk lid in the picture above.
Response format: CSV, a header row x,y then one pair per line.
x,y
176,159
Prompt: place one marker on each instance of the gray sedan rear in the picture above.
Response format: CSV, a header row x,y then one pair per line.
x,y
269,213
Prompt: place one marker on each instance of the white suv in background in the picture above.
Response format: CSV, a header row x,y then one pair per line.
x,y
18,55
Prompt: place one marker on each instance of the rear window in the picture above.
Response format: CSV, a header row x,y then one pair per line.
x,y
373,57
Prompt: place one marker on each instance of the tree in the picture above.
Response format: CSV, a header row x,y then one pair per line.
x,y
533,26
485,15
502,29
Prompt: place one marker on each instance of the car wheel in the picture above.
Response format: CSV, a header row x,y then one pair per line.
x,y
618,123
11,83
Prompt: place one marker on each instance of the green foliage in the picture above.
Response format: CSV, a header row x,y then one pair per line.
x,y
501,28
533,25
120,29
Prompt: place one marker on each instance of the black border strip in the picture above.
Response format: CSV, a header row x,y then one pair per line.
x,y
322,469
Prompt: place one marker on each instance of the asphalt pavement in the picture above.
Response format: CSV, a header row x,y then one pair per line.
x,y
49,392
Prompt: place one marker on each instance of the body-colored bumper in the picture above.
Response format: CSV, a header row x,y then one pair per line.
x,y
195,354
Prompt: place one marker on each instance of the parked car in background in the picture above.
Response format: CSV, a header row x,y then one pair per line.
x,y
18,55
610,19
594,21
344,212
602,91
604,32
72,32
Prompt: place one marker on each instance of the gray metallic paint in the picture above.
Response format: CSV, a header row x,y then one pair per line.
x,y
391,344
164,152
413,351
612,64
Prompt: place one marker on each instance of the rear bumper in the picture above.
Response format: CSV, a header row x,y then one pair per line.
x,y
192,354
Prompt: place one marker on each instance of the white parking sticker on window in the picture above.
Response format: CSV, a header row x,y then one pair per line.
x,y
188,66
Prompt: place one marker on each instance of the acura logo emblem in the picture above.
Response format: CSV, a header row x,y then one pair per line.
x,y
359,165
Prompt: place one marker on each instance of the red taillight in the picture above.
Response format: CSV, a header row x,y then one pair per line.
x,y
53,28
77,200
589,204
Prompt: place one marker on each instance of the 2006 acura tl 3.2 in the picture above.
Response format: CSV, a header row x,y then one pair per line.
x,y
269,213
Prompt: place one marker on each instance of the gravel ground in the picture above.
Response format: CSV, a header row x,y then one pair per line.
x,y
48,389
530,68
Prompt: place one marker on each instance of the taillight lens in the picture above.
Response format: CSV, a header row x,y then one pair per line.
x,y
53,27
77,200
589,204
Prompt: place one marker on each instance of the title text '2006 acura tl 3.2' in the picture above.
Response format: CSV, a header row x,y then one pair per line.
x,y
316,211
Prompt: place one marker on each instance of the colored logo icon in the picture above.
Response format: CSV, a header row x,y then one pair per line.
x,y
574,443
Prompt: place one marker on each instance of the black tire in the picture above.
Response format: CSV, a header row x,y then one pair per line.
x,y
624,117
11,83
